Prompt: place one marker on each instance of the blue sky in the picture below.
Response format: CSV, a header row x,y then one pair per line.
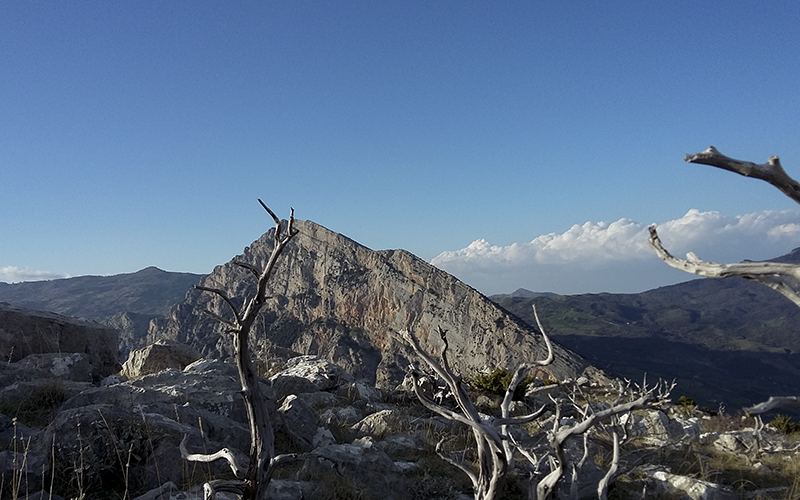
x,y
141,133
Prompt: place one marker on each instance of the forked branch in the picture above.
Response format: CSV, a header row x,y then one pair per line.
x,y
227,300
493,443
781,277
771,172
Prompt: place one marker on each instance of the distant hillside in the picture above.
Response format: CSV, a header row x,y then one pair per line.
x,y
730,340
126,302
522,293
150,291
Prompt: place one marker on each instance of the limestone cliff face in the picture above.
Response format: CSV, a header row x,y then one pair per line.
x,y
336,298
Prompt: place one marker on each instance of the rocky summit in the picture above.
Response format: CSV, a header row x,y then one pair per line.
x,y
332,297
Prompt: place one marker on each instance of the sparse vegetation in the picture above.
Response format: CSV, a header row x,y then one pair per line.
x,y
37,407
686,406
784,424
497,383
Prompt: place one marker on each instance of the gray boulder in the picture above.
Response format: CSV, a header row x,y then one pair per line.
x,y
380,424
24,332
357,468
160,356
323,374
302,425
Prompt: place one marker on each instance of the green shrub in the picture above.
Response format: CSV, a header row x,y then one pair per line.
x,y
686,406
497,383
784,424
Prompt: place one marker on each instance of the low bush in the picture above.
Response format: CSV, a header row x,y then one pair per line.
x,y
497,383
784,424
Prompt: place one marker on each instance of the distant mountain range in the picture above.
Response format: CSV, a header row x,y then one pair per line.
x,y
127,302
725,341
149,291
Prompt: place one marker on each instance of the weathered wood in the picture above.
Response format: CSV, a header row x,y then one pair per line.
x,y
771,274
771,172
233,461
772,403
647,398
494,443
781,277
253,482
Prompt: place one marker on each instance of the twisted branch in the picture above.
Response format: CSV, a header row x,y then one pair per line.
x,y
771,274
233,460
227,300
494,445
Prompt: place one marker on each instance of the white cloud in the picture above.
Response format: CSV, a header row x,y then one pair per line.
x,y
615,256
13,274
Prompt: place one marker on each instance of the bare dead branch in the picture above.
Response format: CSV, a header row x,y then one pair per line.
x,y
771,172
250,267
602,487
767,273
648,398
783,278
494,446
271,213
772,403
225,453
211,314
261,459
460,466
227,300
523,419
524,368
443,411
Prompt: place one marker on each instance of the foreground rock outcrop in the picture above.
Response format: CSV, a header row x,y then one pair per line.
x,y
25,332
335,298
121,438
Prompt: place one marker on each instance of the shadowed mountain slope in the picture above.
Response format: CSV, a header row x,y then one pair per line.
x,y
729,340
126,302
150,291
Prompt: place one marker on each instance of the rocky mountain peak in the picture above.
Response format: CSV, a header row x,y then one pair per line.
x,y
335,298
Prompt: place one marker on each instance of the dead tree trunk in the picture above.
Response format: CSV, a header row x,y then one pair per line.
x,y
252,481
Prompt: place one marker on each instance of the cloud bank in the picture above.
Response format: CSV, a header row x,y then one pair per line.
x,y
13,274
615,257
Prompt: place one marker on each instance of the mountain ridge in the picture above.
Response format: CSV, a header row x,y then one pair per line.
x,y
336,298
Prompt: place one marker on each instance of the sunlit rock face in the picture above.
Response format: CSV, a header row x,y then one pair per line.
x,y
338,299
